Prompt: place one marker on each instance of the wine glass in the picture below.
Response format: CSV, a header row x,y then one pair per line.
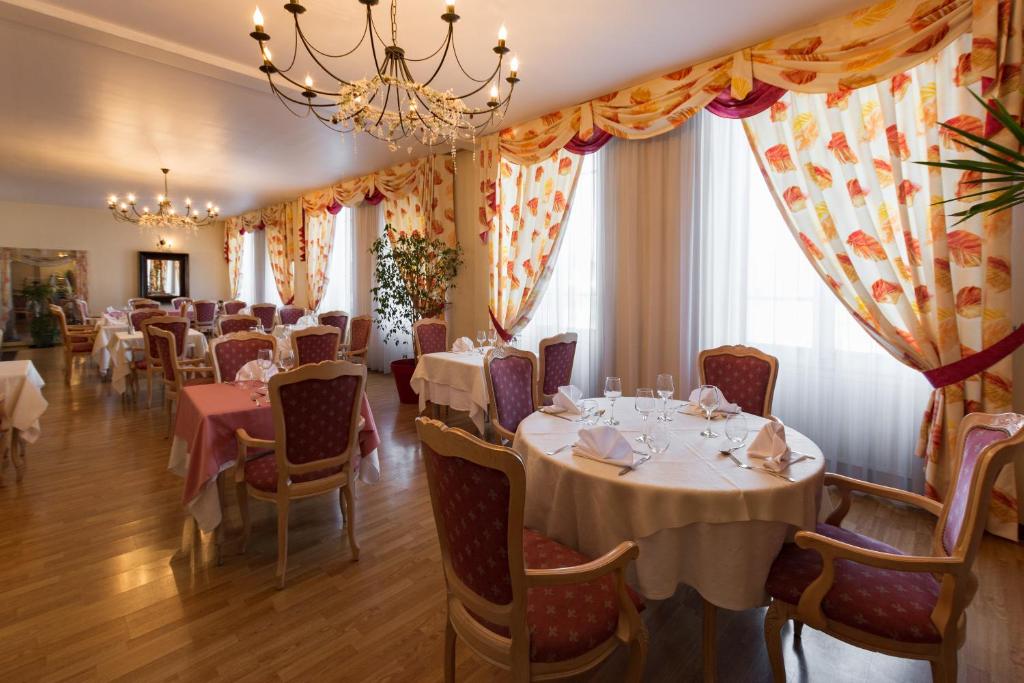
x,y
644,405
481,339
736,431
492,337
665,390
708,399
658,439
588,411
612,390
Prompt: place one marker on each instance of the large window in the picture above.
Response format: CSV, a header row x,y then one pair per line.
x,y
247,277
340,294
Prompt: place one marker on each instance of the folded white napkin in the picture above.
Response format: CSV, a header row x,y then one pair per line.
x,y
463,345
604,444
115,316
770,446
252,371
723,403
306,321
567,400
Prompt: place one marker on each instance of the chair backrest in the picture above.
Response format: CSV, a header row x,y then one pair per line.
x,y
82,307
316,419
266,313
206,311
174,324
177,301
162,343
511,388
745,376
62,321
185,310
230,352
483,562
430,335
359,334
229,324
337,319
136,304
233,307
556,357
136,317
289,315
316,344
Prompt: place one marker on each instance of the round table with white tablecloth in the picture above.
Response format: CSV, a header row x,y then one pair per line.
x,y
698,518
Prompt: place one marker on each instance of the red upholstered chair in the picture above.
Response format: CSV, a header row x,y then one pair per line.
x,y
517,598
77,340
511,388
289,315
150,362
229,324
359,338
337,319
556,357
230,352
175,373
187,311
744,375
136,317
315,344
872,595
177,301
138,302
206,315
316,426
430,335
233,307
82,308
267,314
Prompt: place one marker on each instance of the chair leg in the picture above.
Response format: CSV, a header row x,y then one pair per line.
x,y
637,657
449,652
242,492
282,541
774,620
710,642
944,670
350,523
18,457
67,369
149,385
341,506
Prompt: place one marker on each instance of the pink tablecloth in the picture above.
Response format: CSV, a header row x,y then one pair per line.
x,y
204,442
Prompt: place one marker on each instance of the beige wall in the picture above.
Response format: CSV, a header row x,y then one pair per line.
x,y
112,248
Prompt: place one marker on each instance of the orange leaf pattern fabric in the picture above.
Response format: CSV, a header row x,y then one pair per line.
x,y
319,242
927,290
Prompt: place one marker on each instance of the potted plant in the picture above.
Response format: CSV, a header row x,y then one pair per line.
x,y
413,274
44,326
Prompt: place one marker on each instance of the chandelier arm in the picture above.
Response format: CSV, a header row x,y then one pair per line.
x,y
447,45
484,84
295,47
282,95
373,44
285,99
366,30
444,42
455,51
501,103
312,56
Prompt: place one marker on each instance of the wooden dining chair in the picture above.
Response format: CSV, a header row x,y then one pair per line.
x,y
316,411
511,376
234,307
230,352
136,317
267,314
289,315
360,328
517,598
315,344
745,376
82,308
77,340
139,302
337,319
206,315
556,358
177,301
229,324
149,364
872,595
176,373
429,335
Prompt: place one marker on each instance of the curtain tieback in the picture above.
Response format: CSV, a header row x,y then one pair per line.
x,y
502,332
958,371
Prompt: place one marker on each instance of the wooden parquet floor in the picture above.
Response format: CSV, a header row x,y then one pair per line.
x,y
89,589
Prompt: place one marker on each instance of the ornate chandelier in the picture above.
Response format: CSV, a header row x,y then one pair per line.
x,y
391,105
166,215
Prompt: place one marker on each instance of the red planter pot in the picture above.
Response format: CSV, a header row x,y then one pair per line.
x,y
402,371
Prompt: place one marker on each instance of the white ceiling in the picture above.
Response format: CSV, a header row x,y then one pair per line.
x,y
97,95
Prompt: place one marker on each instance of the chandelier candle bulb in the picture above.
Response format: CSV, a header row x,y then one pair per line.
x,y
257,19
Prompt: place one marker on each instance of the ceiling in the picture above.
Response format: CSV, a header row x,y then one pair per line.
x,y
99,94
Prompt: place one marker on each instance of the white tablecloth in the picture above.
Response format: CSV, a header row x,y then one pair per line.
x,y
24,404
123,343
105,330
455,380
697,517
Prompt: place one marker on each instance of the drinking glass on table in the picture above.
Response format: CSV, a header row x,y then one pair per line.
x,y
612,391
588,411
264,359
492,337
665,390
736,431
644,405
481,339
658,439
708,399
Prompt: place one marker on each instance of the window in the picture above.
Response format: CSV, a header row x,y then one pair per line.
x,y
247,279
341,269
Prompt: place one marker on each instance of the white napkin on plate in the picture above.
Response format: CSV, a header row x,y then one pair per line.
x,y
567,400
463,345
770,446
604,444
723,406
252,371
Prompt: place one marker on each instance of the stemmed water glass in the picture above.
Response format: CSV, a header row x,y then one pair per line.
x,y
264,359
645,406
588,411
481,339
665,391
736,431
658,439
492,337
708,399
612,391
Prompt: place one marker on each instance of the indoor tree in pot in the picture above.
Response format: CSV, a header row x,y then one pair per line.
x,y
413,274
44,326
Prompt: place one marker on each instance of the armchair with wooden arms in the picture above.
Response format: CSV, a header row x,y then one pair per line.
x,y
77,340
233,307
337,319
176,372
315,344
289,315
267,314
230,352
360,328
517,598
206,315
229,324
869,594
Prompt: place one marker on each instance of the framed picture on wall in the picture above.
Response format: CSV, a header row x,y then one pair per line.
x,y
162,275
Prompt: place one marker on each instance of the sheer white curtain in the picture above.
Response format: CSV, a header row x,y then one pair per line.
x,y
341,271
835,384
247,272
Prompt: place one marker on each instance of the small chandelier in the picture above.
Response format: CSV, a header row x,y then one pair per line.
x,y
391,105
166,215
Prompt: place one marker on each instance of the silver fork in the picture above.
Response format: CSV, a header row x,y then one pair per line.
x,y
558,450
740,463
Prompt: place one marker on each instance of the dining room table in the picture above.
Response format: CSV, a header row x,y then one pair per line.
x,y
698,517
454,379
106,326
21,387
125,345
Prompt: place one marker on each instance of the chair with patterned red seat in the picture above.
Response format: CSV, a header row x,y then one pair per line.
x,y
429,335
360,328
517,598
869,594
267,314
82,308
745,376
315,344
206,315
229,324
230,352
139,302
186,310
76,339
150,362
177,301
337,319
289,315
233,307
136,317
556,357
175,373
316,411
511,376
